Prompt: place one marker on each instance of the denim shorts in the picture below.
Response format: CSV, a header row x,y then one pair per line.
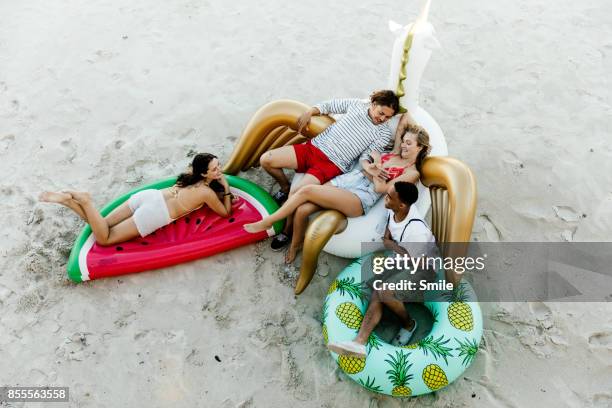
x,y
357,183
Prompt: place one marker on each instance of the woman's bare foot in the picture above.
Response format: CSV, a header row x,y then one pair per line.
x,y
54,197
292,253
80,197
257,227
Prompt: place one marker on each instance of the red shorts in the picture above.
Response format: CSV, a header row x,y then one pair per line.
x,y
311,160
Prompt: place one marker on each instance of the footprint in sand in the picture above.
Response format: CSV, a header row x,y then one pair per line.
x,y
101,55
542,313
492,233
5,293
70,150
512,160
540,310
602,400
125,132
601,339
125,320
75,347
566,213
31,302
6,142
568,235
188,133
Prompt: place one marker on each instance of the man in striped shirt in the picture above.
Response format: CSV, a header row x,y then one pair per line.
x,y
363,128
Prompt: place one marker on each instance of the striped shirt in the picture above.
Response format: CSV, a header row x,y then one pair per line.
x,y
353,136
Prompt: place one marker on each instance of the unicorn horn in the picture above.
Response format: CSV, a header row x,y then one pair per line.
x,y
422,18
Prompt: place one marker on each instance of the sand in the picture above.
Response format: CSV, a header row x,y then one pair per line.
x,y
106,96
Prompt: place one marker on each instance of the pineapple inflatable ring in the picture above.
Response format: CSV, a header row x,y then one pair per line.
x,y
420,368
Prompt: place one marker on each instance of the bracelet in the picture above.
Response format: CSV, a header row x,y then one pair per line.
x,y
226,194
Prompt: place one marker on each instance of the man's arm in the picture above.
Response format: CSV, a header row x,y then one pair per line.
x,y
370,162
379,145
335,106
324,108
374,169
380,184
390,244
304,119
405,120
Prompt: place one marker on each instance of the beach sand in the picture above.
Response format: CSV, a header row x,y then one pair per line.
x,y
106,96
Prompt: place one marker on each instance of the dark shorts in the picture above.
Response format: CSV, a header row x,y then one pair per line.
x,y
311,160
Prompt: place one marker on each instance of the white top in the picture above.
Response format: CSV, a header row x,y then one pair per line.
x,y
412,233
412,229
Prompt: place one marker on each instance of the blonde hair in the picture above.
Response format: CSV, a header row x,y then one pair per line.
x,y
422,139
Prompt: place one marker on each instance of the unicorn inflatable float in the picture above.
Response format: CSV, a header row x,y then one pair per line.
x,y
411,52
275,125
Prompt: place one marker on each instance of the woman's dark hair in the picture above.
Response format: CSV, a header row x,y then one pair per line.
x,y
422,139
199,166
408,193
386,98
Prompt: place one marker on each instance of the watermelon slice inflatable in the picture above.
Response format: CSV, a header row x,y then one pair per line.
x,y
199,234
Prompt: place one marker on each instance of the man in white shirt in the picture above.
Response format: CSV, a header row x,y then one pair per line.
x,y
406,233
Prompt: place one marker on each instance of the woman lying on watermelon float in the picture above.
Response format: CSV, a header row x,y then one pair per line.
x,y
151,209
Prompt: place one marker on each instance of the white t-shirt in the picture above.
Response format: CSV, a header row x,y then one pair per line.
x,y
412,233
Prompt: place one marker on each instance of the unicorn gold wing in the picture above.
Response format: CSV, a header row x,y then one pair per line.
x,y
272,126
275,125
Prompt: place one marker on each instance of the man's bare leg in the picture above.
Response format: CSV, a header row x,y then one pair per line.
x,y
400,311
371,319
274,161
307,179
357,347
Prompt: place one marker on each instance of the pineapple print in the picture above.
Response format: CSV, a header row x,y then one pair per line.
x,y
459,312
435,316
324,320
351,365
434,346
398,375
369,384
349,314
434,377
346,285
373,342
468,350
